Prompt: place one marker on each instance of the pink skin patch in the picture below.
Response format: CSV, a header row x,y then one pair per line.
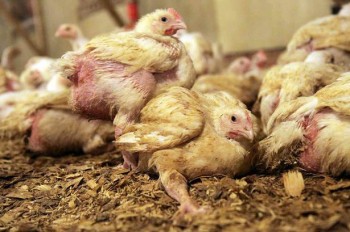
x,y
275,104
34,141
238,128
308,47
309,160
11,85
174,13
130,160
97,95
166,77
261,59
35,78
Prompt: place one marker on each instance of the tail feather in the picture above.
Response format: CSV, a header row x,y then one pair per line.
x,y
280,147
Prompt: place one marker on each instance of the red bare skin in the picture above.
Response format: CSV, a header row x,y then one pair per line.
x,y
309,159
75,133
34,140
96,98
12,85
308,47
275,104
35,78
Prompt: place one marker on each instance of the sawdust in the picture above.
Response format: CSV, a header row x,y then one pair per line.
x,y
90,193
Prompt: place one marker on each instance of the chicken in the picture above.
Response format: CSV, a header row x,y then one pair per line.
x,y
7,57
40,74
37,72
312,131
242,79
73,34
8,80
34,121
184,135
285,83
331,31
115,75
202,52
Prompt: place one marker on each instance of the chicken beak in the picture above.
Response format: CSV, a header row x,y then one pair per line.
x,y
179,24
249,134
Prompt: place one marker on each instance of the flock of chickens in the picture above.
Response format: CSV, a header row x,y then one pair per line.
x,y
160,96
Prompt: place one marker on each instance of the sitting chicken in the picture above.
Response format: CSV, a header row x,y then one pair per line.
x,y
284,83
43,124
115,75
184,135
202,52
242,79
73,34
312,131
328,32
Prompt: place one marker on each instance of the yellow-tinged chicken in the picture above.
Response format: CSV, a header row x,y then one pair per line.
x,y
242,79
312,131
284,83
184,135
43,124
206,58
327,32
115,75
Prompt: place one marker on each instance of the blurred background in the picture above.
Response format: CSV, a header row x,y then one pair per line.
x,y
237,25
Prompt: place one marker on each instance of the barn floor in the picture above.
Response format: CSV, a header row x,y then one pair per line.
x,y
90,193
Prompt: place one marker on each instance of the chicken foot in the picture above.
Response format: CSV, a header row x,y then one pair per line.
x,y
175,185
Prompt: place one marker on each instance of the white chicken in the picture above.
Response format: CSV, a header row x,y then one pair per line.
x,y
73,34
242,79
327,32
285,83
184,135
206,56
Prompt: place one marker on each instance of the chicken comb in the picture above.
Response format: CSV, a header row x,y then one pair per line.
x,y
175,13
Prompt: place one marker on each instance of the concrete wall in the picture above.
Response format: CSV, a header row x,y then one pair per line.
x,y
253,24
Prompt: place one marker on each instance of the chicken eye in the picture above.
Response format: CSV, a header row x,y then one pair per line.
x,y
233,118
332,60
164,19
67,28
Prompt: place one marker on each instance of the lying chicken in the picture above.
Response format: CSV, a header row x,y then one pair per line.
x,y
201,51
73,34
39,74
284,83
184,135
331,31
43,125
312,131
242,79
115,75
